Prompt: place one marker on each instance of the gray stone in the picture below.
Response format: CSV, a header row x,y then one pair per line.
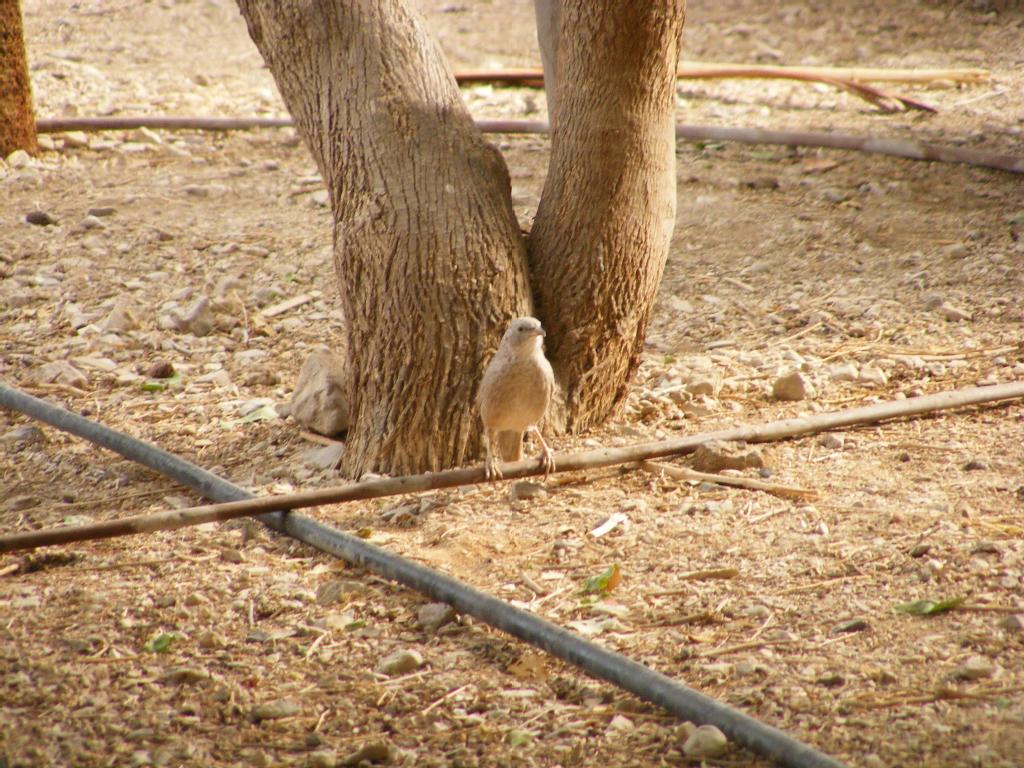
x,y
706,741
433,616
274,710
834,441
716,455
22,436
401,662
319,402
524,489
40,218
375,752
792,386
61,372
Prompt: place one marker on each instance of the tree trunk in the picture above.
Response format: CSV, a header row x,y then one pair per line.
x,y
602,231
427,248
17,119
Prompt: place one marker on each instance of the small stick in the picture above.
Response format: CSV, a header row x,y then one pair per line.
x,y
394,486
682,473
754,644
710,69
911,149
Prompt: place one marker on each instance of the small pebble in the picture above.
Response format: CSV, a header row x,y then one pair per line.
x,y
793,386
975,668
975,465
524,490
853,625
843,372
274,710
920,550
833,441
40,218
705,742
1013,623
433,616
401,662
375,752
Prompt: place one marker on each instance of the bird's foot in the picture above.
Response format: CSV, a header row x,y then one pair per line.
x,y
547,460
491,470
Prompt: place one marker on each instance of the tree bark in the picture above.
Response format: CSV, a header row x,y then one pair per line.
x,y
601,235
17,118
430,258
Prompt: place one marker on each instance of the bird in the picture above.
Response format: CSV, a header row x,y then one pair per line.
x,y
514,394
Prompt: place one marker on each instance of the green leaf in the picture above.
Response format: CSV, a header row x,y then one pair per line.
x,y
158,385
518,737
352,626
930,607
762,154
160,643
605,582
263,413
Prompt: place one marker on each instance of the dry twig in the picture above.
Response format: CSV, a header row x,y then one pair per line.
x,y
683,473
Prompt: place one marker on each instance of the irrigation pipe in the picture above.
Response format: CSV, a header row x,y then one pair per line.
x,y
910,149
604,457
599,662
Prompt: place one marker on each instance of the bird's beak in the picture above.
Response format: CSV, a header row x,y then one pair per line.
x,y
541,332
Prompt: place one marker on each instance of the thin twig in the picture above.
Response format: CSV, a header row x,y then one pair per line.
x,y
682,473
910,149
750,646
372,489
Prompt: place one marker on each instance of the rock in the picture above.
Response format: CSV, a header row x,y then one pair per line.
x,y
844,372
853,625
524,490
706,741
952,313
716,455
120,320
231,555
433,616
18,503
401,662
833,441
872,374
75,140
975,465
40,218
186,675
145,136
322,759
319,402
374,752
92,222
792,386
61,372
1013,623
274,710
102,211
975,668
332,591
198,319
708,386
832,195
920,550
325,457
19,158
20,437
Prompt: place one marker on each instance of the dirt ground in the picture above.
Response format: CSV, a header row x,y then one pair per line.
x,y
877,278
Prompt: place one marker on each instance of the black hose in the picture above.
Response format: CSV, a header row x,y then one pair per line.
x,y
596,661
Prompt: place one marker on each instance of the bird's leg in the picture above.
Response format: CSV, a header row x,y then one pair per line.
x,y
547,458
491,470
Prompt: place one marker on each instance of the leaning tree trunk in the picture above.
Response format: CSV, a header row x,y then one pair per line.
x,y
602,231
427,248
17,119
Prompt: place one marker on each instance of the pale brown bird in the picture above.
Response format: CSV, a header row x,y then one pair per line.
x,y
514,394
